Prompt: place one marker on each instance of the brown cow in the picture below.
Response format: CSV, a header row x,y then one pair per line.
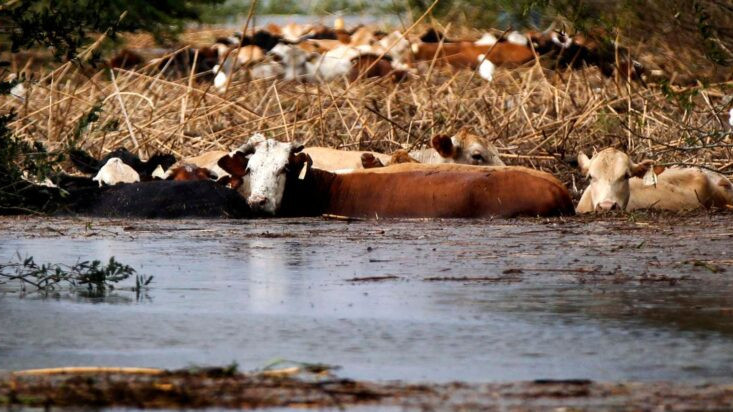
x,y
466,54
189,172
371,65
426,191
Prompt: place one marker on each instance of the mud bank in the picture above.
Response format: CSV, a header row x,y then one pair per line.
x,y
219,388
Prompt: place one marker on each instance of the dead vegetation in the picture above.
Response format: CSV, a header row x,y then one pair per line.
x,y
536,117
221,387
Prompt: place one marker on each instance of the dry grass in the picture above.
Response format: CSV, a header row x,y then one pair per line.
x,y
535,117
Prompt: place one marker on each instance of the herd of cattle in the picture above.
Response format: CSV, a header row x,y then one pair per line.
x,y
318,53
460,176
457,176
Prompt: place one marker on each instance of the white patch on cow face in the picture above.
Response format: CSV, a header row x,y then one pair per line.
x,y
292,59
400,45
561,39
116,171
730,117
474,150
609,171
267,175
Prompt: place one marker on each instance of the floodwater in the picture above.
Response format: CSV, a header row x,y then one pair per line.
x,y
619,298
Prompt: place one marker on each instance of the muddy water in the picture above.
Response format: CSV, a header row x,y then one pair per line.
x,y
610,299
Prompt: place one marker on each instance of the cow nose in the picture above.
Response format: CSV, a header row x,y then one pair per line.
x,y
609,205
257,201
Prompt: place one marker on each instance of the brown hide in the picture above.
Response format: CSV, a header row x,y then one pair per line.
x,y
401,156
190,173
369,65
417,191
465,54
125,59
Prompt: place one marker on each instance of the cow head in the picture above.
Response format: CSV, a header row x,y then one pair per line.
x,y
609,171
267,163
293,60
466,148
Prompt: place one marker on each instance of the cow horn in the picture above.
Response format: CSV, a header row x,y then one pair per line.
x,y
249,147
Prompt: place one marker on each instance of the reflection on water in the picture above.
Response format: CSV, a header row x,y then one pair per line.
x,y
254,291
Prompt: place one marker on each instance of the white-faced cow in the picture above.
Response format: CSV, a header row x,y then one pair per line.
x,y
264,164
616,183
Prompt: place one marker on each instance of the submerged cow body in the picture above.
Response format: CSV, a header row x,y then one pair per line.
x,y
427,191
160,199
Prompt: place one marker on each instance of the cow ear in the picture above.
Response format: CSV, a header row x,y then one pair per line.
x,y
224,180
249,147
640,169
296,147
300,163
369,161
443,145
234,164
583,163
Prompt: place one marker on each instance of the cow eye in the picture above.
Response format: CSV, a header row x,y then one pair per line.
x,y
246,171
477,157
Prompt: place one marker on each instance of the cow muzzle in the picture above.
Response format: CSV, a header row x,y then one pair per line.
x,y
257,202
608,205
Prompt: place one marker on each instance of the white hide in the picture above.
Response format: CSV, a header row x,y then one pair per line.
x,y
220,80
487,39
333,64
159,173
18,91
266,70
116,171
399,47
516,37
486,68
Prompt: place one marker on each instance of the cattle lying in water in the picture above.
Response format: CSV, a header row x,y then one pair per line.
x,y
263,165
295,188
160,199
464,147
617,184
428,191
